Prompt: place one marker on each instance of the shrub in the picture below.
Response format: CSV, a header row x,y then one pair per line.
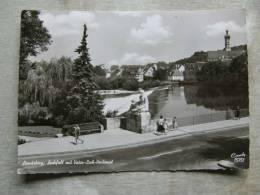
x,y
21,141
111,114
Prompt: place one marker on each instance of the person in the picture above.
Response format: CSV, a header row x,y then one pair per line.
x,y
160,122
237,113
174,123
77,134
165,125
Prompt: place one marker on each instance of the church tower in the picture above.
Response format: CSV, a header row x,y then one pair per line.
x,y
227,41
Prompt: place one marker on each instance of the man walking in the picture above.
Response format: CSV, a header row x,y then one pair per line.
x,y
77,134
237,113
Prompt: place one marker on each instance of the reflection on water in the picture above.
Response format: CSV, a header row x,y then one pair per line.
x,y
217,97
194,100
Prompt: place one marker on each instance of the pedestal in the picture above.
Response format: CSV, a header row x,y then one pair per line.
x,y
139,122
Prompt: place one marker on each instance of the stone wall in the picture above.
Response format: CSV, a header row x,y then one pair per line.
x,y
112,123
138,122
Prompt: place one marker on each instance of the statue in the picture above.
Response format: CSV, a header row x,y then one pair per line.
x,y
138,118
144,102
142,105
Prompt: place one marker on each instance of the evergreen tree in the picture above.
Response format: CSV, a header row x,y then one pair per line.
x,y
84,102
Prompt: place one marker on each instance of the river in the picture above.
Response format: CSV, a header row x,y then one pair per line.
x,y
197,103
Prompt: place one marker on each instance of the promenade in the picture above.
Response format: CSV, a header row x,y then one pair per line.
x,y
119,139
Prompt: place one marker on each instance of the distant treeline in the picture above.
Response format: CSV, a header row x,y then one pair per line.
x,y
222,73
43,91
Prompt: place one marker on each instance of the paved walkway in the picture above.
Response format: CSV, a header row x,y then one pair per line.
x,y
119,138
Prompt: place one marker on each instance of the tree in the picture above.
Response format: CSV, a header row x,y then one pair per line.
x,y
104,83
99,70
114,67
44,81
161,74
213,72
198,56
35,38
238,68
219,71
85,103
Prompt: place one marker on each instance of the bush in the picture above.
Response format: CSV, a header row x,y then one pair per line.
x,y
149,84
111,114
161,74
21,141
104,83
33,114
130,84
124,83
59,121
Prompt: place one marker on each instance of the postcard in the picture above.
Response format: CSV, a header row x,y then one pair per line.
x,y
111,91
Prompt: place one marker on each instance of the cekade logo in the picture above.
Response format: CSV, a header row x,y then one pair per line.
x,y
238,158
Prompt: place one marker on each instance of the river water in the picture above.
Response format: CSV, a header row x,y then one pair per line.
x,y
196,104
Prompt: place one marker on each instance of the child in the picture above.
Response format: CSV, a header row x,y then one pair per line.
x,y
165,125
174,123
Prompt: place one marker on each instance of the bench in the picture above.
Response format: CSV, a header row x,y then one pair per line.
x,y
85,128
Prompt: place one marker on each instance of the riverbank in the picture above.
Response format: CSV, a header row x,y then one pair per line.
x,y
115,92
122,104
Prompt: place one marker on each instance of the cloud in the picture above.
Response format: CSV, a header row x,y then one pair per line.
x,y
220,27
152,31
133,59
134,14
71,23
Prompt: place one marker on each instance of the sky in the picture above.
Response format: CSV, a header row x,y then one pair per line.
x,y
131,37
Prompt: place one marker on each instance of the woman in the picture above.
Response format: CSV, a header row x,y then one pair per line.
x,y
160,123
174,123
165,125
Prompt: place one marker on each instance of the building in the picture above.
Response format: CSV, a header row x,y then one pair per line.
x,y
108,73
115,72
227,41
191,70
149,70
225,55
176,75
133,72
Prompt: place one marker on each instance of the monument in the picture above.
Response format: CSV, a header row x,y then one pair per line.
x,y
138,118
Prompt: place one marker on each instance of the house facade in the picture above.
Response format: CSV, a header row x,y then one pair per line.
x,y
150,70
108,74
176,75
133,72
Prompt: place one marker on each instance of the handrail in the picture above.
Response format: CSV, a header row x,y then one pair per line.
x,y
206,118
